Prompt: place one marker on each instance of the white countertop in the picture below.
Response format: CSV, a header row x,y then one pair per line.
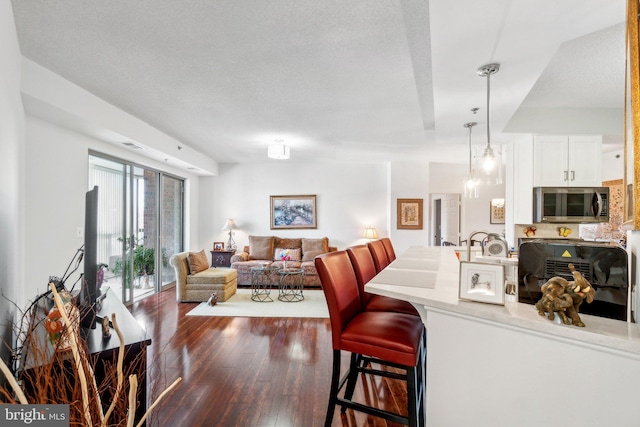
x,y
428,276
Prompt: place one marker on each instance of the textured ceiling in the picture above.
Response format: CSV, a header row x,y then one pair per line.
x,y
585,72
338,80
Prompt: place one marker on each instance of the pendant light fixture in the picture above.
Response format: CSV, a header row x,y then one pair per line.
x,y
489,162
471,189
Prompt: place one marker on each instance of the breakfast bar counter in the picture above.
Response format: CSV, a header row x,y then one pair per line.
x,y
494,365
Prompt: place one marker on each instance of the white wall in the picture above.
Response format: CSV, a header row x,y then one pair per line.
x,y
409,180
613,165
57,163
56,182
449,178
349,197
11,175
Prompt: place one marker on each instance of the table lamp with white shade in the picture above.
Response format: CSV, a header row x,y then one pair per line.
x,y
230,225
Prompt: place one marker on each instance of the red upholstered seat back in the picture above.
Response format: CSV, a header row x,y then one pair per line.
x,y
364,267
388,248
379,255
341,291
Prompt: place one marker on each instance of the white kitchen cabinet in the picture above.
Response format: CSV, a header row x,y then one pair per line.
x,y
567,161
519,182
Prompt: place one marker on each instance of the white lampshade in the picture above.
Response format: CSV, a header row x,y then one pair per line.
x,y
370,233
229,224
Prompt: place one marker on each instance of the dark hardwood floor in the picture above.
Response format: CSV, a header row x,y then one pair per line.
x,y
247,371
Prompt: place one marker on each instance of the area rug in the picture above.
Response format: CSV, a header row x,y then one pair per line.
x,y
240,305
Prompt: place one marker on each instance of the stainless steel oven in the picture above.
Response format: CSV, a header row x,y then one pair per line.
x,y
571,204
604,265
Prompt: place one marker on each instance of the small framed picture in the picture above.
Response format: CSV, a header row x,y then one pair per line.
x,y
497,211
482,282
218,246
409,213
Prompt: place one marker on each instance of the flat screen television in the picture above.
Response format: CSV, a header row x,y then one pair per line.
x,y
89,292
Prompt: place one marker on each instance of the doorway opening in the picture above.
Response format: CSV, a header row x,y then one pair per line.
x,y
444,220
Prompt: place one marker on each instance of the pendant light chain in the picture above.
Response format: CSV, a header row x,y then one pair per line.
x,y
471,183
488,110
469,126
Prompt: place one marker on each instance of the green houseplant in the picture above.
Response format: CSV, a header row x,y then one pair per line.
x,y
143,262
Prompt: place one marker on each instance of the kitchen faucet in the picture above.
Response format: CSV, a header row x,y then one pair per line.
x,y
488,235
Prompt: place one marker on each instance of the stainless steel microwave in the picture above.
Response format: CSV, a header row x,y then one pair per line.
x,y
571,204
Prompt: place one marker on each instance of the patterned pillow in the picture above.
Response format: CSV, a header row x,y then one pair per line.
x,y
197,262
314,247
294,254
287,242
260,247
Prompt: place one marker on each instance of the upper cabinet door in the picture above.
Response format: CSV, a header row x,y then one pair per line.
x,y
567,161
585,161
550,160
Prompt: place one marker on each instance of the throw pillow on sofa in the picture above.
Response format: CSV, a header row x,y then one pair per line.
x,y
287,242
314,247
260,247
294,254
197,262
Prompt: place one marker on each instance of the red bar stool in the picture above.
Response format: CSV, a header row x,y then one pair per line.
x,y
388,339
365,270
388,248
380,258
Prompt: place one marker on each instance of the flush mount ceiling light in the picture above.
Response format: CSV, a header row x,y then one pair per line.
x,y
489,161
278,150
471,184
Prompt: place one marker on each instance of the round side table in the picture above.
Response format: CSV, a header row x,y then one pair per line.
x,y
261,283
291,282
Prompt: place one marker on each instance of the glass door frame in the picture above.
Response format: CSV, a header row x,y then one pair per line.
x,y
130,226
161,219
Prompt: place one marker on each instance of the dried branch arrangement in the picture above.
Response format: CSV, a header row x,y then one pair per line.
x,y
67,376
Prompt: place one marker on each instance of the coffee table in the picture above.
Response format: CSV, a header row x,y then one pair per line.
x,y
261,283
291,283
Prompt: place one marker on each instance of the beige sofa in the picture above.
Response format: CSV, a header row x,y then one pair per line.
x,y
199,286
264,250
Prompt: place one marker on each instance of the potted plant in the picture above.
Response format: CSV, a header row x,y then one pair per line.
x,y
143,262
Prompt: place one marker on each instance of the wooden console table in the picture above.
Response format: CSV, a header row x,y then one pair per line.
x,y
106,350
221,258
136,341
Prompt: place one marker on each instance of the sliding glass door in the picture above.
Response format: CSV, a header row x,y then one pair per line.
x,y
140,211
